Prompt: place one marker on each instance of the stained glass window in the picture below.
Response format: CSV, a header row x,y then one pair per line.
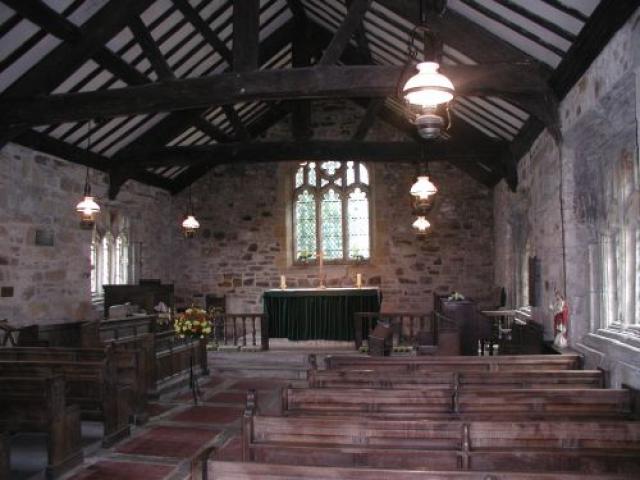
x,y
331,209
305,226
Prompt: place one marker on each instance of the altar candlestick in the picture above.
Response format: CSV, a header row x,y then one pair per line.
x,y
359,280
283,282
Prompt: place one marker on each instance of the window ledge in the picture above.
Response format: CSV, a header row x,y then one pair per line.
x,y
628,337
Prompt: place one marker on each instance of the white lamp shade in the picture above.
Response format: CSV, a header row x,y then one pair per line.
x,y
428,87
88,206
190,223
423,188
421,224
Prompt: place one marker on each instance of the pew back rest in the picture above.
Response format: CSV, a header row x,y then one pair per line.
x,y
32,401
220,470
463,380
450,435
457,363
54,354
527,403
429,399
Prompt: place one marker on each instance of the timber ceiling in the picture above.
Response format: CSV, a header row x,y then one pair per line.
x,y
52,50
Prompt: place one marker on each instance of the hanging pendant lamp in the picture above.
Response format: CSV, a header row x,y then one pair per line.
x,y
190,225
423,188
428,88
421,224
88,208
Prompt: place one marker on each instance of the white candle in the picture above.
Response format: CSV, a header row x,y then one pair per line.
x,y
358,280
283,282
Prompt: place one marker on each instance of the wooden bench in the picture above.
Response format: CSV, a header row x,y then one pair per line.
x,y
38,404
511,363
91,384
586,446
531,379
156,355
438,402
218,470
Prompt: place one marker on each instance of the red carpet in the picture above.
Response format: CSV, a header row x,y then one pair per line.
x,y
175,442
108,470
205,415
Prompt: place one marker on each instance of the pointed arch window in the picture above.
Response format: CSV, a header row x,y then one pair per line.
x,y
332,202
111,257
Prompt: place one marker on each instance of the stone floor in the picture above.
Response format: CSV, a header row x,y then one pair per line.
x,y
178,430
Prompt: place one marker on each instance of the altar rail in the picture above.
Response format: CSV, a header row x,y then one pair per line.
x,y
242,329
405,326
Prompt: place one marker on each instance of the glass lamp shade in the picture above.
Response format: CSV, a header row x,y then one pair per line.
x,y
428,87
423,188
190,225
88,209
421,225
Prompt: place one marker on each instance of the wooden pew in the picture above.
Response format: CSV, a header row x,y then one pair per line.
x,y
499,363
164,356
218,470
531,379
587,446
38,404
174,356
447,403
90,381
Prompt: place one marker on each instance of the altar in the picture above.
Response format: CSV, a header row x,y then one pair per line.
x,y
317,314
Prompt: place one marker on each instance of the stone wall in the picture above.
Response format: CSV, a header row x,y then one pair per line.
x,y
50,284
572,198
244,244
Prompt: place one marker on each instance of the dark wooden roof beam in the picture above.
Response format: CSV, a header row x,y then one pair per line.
x,y
151,49
338,43
369,118
299,83
246,29
204,29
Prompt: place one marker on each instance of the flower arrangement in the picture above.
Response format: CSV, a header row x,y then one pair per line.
x,y
305,256
455,297
194,322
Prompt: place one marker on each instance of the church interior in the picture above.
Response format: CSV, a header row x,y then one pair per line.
x,y
319,239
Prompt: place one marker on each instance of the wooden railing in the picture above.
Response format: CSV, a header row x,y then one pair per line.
x,y
242,329
405,326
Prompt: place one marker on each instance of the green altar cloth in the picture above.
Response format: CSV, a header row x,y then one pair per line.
x,y
317,314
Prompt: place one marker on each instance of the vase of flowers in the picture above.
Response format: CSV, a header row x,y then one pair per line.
x,y
193,323
455,297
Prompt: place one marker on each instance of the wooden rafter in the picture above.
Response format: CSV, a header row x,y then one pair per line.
x,y
300,57
65,59
353,19
79,46
246,28
299,83
270,118
360,37
45,143
235,120
205,30
175,123
151,49
370,115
